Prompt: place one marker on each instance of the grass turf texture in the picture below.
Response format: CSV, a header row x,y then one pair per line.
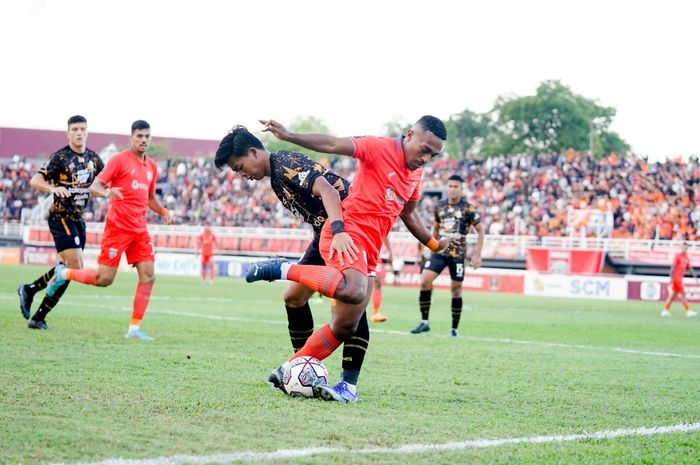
x,y
81,392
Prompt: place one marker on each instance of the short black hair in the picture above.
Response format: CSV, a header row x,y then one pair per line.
x,y
139,124
76,119
434,125
235,144
456,177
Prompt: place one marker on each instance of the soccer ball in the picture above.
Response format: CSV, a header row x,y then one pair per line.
x,y
301,375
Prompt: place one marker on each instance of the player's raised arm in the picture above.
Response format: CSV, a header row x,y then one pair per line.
x,y
318,142
411,218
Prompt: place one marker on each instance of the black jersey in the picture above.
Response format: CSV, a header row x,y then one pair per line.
x,y
454,221
74,171
292,176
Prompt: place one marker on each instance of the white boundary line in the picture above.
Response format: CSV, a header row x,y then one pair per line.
x,y
622,350
282,454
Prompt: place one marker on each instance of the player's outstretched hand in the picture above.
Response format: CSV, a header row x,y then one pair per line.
x,y
60,191
168,219
275,128
447,242
114,193
347,250
476,262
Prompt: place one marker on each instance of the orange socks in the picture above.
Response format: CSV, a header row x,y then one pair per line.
x,y
323,279
141,298
376,300
320,345
85,276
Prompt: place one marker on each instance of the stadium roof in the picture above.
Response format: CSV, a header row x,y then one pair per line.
x,y
40,143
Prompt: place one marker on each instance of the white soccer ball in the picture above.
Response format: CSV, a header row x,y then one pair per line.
x,y
301,375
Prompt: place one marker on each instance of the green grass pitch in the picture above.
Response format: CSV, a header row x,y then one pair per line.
x,y
521,367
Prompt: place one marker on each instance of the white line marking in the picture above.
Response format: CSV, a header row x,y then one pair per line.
x,y
282,454
7,296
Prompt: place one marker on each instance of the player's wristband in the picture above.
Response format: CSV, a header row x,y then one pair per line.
x,y
163,211
433,244
337,227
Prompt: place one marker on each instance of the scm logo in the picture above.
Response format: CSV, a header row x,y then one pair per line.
x,y
590,287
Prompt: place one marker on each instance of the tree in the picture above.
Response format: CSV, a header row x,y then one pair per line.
x,y
307,124
464,131
553,120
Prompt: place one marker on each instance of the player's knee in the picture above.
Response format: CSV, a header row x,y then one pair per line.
x,y
353,293
456,292
148,279
104,281
293,300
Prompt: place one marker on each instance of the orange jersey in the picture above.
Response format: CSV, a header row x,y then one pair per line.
x,y
207,241
382,186
680,264
137,180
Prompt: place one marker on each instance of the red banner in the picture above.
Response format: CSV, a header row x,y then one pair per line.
x,y
564,261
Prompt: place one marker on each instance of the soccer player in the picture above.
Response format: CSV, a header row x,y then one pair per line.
x,y
313,193
207,245
681,262
67,175
129,181
453,218
386,185
377,316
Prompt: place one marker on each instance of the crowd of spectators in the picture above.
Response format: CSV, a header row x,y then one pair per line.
x,y
543,195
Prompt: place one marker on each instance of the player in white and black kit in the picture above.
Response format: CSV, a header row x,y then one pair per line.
x,y
67,175
453,218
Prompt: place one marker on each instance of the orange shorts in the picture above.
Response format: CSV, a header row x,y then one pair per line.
x,y
365,261
115,242
206,259
677,286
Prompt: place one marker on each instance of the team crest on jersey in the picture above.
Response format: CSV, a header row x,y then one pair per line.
x,y
390,194
112,253
302,176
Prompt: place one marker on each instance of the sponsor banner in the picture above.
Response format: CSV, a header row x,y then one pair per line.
x,y
658,291
9,255
38,256
587,287
564,261
659,257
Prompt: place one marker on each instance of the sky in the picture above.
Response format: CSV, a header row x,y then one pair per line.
x,y
194,69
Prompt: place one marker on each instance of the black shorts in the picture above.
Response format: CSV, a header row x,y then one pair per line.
x,y
438,262
67,234
312,256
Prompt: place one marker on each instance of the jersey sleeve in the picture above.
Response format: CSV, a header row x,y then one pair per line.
x,y
473,217
99,165
299,170
110,171
363,147
53,167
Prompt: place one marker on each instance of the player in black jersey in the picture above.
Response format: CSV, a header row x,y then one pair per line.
x,y
453,218
313,193
67,175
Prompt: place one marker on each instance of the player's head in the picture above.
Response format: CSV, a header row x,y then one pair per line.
x,y
140,136
424,141
684,247
77,132
243,153
455,184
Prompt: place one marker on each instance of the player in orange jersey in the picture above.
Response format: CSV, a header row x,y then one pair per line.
x,y
681,262
207,245
386,186
129,181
